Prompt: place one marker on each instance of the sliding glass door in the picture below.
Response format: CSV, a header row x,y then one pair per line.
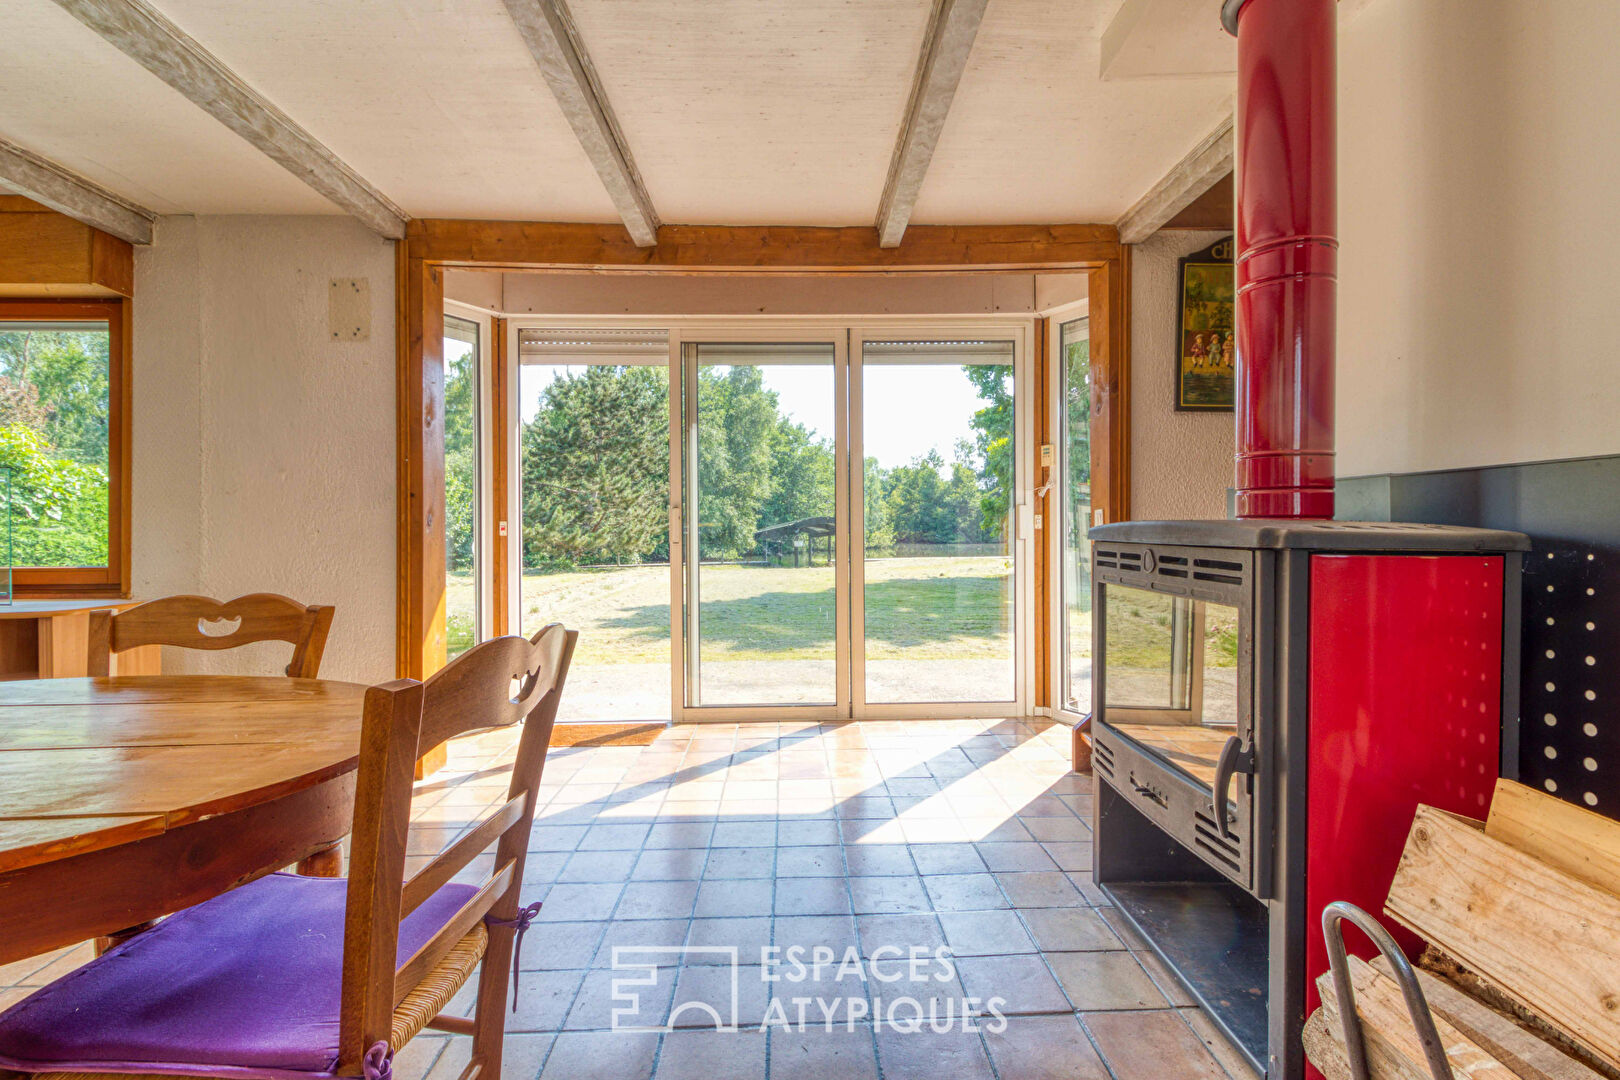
x,y
592,485
1071,502
816,521
763,541
465,349
936,585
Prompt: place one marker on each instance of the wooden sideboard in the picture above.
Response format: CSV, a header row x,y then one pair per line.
x,y
50,639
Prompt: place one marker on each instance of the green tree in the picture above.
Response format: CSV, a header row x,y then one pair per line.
x,y
966,496
1077,403
595,464
460,458
993,440
58,505
737,419
801,476
70,371
879,522
930,502
919,501
53,442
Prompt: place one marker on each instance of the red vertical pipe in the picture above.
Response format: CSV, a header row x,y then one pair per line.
x,y
1286,256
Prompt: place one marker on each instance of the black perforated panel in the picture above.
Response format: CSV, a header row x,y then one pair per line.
x,y
1570,737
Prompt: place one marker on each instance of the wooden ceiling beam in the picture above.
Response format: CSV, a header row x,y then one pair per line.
x,y
146,36
945,48
49,184
700,249
1193,175
548,29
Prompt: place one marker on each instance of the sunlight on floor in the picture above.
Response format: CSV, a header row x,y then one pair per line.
x,y
862,839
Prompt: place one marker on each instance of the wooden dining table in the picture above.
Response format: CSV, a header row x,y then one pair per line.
x,y
123,799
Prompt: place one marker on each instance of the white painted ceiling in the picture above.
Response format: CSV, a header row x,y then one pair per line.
x,y
1036,135
737,111
758,112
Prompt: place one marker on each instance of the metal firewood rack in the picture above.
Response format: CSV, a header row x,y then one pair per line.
x,y
1417,1007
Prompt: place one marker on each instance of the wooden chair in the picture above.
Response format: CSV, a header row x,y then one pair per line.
x,y
182,621
245,981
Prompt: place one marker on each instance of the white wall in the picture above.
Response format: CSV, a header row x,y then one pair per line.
x,y
1181,462
263,451
1479,233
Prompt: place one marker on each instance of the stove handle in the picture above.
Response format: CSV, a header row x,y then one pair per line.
x,y
1235,758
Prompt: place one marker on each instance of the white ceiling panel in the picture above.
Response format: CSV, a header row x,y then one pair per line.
x,y
1167,39
69,96
758,111
437,104
1036,136
736,111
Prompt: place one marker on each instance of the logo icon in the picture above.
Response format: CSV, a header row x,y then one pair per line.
x,y
642,966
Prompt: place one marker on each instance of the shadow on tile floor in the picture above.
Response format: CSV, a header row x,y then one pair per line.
x,y
965,840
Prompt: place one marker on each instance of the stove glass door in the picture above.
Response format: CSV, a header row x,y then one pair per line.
x,y
1171,675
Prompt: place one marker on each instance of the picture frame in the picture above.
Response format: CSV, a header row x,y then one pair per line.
x,y
1206,353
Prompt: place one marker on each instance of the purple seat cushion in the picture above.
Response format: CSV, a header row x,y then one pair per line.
x,y
247,984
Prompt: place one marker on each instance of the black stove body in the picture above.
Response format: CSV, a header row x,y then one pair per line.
x,y
1271,701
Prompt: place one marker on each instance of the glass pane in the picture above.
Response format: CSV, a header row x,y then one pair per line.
x,y
1168,652
1074,506
53,437
1149,649
937,431
461,484
764,627
594,468
1172,653
1220,631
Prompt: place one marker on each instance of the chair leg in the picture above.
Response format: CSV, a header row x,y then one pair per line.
x,y
327,862
118,937
489,1014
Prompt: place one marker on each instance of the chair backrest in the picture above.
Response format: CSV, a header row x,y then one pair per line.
x,y
200,622
495,684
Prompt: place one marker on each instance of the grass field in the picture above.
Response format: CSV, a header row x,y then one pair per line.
x,y
926,608
1139,631
921,608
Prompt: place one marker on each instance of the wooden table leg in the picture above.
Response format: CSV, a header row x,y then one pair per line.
x,y
324,863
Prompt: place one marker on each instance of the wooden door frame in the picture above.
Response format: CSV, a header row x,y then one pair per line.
x,y
433,245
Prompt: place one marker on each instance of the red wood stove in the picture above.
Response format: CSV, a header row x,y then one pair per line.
x,y
1272,700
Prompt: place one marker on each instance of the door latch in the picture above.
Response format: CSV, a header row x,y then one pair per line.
x,y
1235,758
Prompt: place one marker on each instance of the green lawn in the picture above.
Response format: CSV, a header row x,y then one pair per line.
x,y
1139,631
937,608
916,608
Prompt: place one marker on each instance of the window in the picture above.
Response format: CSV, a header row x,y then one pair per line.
x,y
592,423
1074,507
463,582
63,404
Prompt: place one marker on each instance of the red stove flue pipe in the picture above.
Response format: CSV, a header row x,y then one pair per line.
x,y
1286,255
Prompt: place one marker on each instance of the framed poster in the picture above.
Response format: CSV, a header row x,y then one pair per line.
x,y
1206,361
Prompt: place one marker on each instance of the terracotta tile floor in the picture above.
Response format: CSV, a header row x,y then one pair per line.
x,y
868,840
